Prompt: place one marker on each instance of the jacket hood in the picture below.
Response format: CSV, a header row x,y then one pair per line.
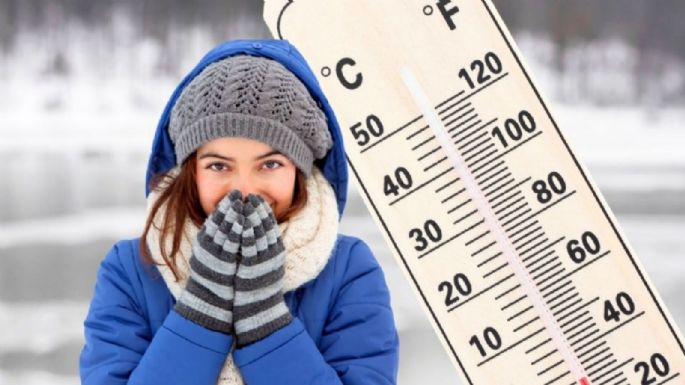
x,y
333,165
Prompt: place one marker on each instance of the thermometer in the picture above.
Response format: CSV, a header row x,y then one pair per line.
x,y
516,257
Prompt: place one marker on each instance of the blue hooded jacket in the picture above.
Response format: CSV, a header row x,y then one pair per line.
x,y
342,330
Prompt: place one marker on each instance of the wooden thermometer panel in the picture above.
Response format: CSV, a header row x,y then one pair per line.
x,y
514,253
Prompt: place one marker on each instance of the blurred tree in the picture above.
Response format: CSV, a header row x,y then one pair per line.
x,y
653,27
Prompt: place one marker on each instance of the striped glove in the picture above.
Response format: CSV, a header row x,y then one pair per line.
x,y
259,309
208,295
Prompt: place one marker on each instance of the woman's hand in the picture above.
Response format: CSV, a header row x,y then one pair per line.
x,y
208,295
258,308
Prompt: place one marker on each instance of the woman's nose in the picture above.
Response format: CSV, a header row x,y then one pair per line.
x,y
245,184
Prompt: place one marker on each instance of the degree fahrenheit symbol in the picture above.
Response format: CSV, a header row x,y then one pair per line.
x,y
427,10
448,13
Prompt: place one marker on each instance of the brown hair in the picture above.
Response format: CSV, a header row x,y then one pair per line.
x,y
179,195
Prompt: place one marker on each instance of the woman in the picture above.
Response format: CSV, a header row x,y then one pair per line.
x,y
240,275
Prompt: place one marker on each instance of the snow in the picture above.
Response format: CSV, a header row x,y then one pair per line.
x,y
35,377
41,327
625,137
116,222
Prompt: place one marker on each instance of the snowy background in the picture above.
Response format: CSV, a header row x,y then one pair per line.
x,y
83,83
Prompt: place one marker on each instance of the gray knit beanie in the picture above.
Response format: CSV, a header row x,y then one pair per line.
x,y
255,98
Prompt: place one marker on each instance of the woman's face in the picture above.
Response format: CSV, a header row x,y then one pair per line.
x,y
247,165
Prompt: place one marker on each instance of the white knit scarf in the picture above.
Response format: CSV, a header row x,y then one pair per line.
x,y
308,237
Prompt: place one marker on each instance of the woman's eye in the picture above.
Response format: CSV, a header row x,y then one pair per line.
x,y
272,164
217,167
